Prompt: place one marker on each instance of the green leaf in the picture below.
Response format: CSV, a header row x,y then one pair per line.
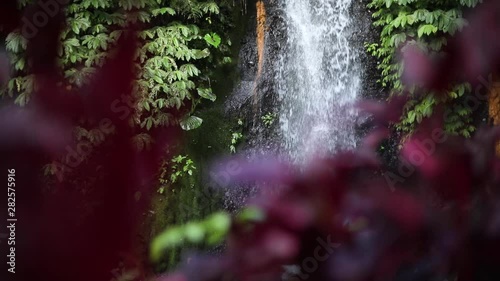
x,y
146,105
149,124
162,11
252,214
201,54
190,123
426,29
218,224
73,42
22,99
158,79
170,238
207,94
194,232
214,228
210,7
190,69
213,39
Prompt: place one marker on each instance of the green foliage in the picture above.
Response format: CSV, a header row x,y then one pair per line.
x,y
191,123
425,24
236,137
251,215
213,39
268,119
211,230
181,166
173,61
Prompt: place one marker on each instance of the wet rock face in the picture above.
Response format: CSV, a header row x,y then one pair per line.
x,y
255,96
247,67
366,33
267,99
260,137
267,96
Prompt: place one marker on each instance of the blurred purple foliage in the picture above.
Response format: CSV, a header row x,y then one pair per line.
x,y
343,220
58,238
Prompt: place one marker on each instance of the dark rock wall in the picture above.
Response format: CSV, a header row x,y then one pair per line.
x,y
370,89
242,102
256,95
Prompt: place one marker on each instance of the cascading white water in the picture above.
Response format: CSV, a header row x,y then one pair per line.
x,y
318,79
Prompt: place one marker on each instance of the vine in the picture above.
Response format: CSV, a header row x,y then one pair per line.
x,y
179,48
236,137
425,24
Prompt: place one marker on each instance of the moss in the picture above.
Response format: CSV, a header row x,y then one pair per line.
x,y
188,199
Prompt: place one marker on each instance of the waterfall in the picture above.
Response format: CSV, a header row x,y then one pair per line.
x,y
308,72
318,79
